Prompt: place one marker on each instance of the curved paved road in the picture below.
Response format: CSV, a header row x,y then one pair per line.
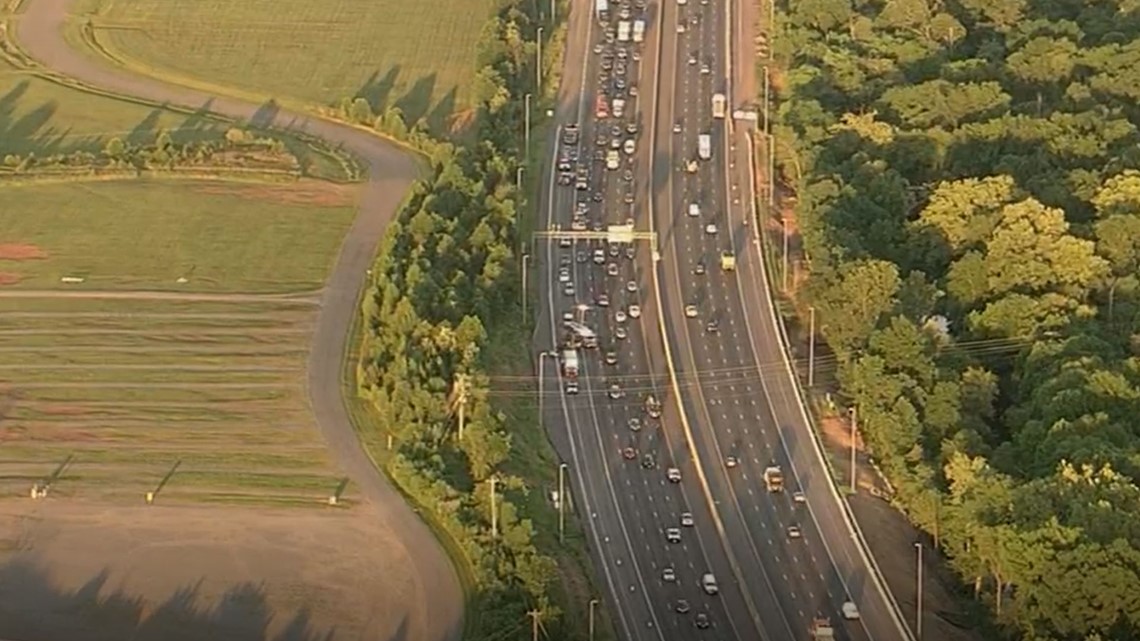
x,y
437,614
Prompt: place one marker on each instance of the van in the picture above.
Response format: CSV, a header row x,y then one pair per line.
x,y
694,210
708,582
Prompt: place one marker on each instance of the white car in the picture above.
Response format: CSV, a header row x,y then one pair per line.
x,y
705,70
674,475
635,424
631,287
691,311
687,519
635,311
680,27
799,497
673,535
603,300
599,256
568,289
710,229
676,127
619,316
794,532
612,269
611,358
694,210
572,387
621,333
564,275
629,147
708,583
682,1
616,391
669,575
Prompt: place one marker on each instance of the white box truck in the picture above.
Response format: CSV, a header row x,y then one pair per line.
x,y
704,146
623,31
570,364
602,9
720,105
638,30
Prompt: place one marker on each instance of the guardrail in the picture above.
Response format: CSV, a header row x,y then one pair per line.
x,y
786,354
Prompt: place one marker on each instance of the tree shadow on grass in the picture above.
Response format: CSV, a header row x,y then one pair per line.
x,y
416,102
33,609
377,90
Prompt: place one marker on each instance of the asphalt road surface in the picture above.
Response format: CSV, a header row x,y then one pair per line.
x,y
439,615
627,505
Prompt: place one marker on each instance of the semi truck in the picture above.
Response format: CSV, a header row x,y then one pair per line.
x,y
704,146
774,478
719,105
581,336
602,9
638,30
623,31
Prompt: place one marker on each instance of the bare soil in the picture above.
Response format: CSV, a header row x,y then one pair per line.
x,y
76,572
21,251
9,278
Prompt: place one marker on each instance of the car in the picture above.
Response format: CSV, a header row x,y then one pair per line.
x,y
636,55
633,91
620,69
599,256
564,275
619,84
686,519
612,269
704,2
598,48
692,59
611,358
631,287
615,144
615,131
567,317
598,197
731,462
635,311
616,391
647,462
631,129
600,154
799,497
622,53
629,147
583,257
705,69
607,63
682,606
680,27
614,251
710,229
702,621
673,474
850,611
571,387
673,535
694,210
568,289
712,327
691,311
628,453
676,127
620,316
579,224
794,532
669,575
601,140
621,332
628,198
630,252
699,270
652,407
627,175
635,424
708,584
625,13
565,260
603,300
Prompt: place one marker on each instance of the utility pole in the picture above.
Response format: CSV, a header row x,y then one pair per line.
x,y
785,254
771,170
534,615
494,511
811,346
767,104
593,604
526,126
562,502
459,398
854,423
525,258
538,62
918,615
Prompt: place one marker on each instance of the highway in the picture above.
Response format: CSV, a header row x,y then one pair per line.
x,y
739,398
627,504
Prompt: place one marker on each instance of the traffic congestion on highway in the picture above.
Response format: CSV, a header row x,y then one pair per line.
x,y
679,469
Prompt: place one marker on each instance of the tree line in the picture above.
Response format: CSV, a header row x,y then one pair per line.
x,y
447,270
966,184
239,150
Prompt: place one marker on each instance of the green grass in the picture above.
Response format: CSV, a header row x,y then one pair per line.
x,y
142,234
237,444
418,56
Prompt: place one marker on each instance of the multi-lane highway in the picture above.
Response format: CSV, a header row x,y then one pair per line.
x,y
673,325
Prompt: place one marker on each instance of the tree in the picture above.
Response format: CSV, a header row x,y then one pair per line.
x,y
941,103
850,308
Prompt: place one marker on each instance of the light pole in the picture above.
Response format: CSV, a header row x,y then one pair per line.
x,y
525,259
852,413
526,126
553,12
784,225
766,102
562,502
918,580
811,346
771,171
538,62
494,512
593,604
518,179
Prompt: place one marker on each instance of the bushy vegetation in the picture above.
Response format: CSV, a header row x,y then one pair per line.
x,y
975,162
447,271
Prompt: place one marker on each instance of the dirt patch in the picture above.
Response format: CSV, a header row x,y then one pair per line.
x,y
9,278
21,251
89,573
303,192
461,121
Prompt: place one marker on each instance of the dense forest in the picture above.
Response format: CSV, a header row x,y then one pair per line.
x,y
446,272
966,186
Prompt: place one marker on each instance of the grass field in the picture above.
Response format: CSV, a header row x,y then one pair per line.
x,y
419,56
130,387
144,234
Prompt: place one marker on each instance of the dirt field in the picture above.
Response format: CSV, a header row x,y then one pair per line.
x,y
76,572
